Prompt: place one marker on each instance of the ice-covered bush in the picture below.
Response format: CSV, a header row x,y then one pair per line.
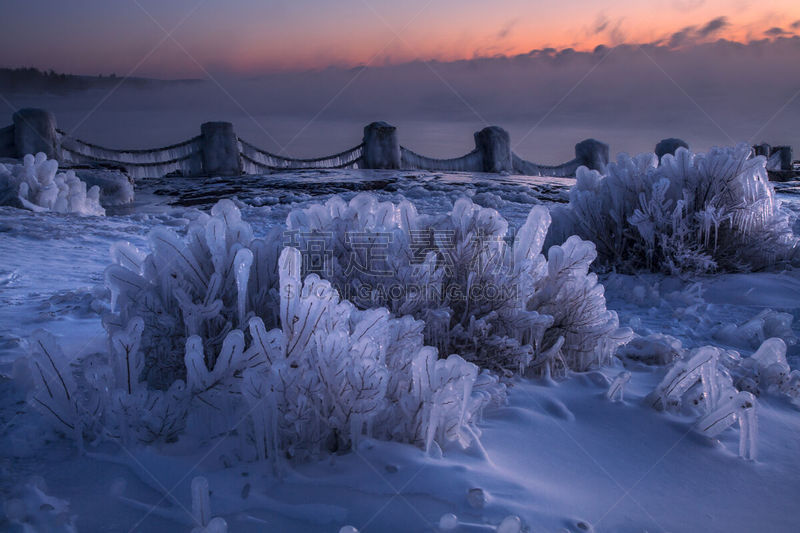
x,y
503,306
193,354
693,212
332,374
37,185
204,285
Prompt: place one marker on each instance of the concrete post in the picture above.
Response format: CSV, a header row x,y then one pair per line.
x,y
7,146
494,144
592,154
220,149
762,149
669,146
785,154
34,132
381,146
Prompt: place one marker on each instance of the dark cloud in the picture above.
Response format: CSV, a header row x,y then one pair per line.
x,y
600,24
713,26
681,37
776,31
610,27
505,31
796,25
692,34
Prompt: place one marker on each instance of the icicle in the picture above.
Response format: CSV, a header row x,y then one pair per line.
x,y
615,390
242,263
748,428
201,508
741,408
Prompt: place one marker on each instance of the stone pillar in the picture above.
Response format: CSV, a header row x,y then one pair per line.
x,y
592,154
494,144
762,149
34,132
669,146
7,146
785,155
381,146
220,149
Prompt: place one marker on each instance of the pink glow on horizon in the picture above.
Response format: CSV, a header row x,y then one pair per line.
x,y
252,36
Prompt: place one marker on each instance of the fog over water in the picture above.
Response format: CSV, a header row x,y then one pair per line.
x,y
628,96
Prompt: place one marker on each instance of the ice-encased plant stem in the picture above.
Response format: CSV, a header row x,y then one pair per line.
x,y
742,408
505,307
616,390
702,381
691,213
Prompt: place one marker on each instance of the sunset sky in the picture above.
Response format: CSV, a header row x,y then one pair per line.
x,y
257,36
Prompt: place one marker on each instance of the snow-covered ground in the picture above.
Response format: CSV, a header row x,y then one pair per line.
x,y
559,455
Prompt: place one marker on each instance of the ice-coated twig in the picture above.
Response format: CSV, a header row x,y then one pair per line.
x,y
616,389
741,408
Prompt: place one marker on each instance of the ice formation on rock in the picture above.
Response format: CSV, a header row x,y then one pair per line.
x,y
37,185
767,371
654,349
752,333
693,212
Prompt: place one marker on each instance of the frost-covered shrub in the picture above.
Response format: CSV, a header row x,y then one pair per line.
x,y
691,213
505,307
204,285
102,396
332,374
37,185
327,375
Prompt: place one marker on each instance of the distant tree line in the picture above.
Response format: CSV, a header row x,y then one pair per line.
x,y
29,79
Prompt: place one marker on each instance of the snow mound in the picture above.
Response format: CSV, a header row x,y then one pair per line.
x,y
691,213
37,185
